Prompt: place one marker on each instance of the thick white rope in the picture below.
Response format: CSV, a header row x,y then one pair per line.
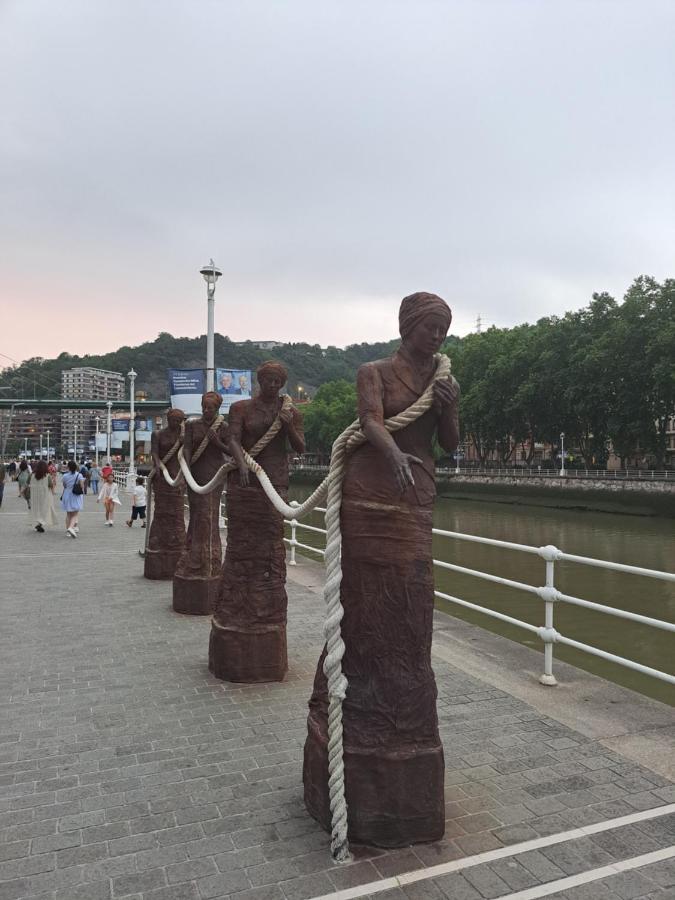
x,y
230,465
350,438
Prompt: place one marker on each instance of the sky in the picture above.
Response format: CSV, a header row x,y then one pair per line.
x,y
332,156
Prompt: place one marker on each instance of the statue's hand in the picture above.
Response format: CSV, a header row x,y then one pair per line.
x,y
243,475
401,464
286,415
446,393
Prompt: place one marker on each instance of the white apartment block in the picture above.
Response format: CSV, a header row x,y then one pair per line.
x,y
87,383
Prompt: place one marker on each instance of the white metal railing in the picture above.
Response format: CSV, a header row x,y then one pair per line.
x,y
531,472
548,593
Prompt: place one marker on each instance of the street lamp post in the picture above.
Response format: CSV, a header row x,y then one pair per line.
x,y
40,446
131,477
25,447
98,419
211,275
48,445
109,426
458,454
75,445
562,454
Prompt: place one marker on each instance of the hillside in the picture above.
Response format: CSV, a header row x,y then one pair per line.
x,y
308,364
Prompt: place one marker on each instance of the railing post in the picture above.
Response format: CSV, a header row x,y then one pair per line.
x,y
548,633
293,542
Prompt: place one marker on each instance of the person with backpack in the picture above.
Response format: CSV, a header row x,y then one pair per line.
x,y
72,499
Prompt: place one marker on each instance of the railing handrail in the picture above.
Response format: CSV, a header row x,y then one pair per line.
x,y
533,472
548,593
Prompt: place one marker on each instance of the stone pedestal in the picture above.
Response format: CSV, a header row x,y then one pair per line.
x,y
160,564
254,654
195,596
393,798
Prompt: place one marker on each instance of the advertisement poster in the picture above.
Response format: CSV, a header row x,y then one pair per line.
x,y
233,385
186,387
120,433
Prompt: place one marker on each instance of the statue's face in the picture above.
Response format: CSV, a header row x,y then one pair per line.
x,y
209,409
429,335
270,385
175,422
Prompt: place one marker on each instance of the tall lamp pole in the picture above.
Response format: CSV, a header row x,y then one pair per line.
x,y
48,445
75,445
211,275
562,454
131,477
98,419
40,446
109,425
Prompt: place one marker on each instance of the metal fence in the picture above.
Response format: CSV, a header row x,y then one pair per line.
x,y
547,593
532,472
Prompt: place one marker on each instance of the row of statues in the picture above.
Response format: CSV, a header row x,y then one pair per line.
x,y
393,755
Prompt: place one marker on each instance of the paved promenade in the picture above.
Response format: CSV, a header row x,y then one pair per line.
x,y
128,771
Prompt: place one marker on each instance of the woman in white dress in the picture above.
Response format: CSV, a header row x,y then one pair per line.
x,y
72,503
110,495
42,497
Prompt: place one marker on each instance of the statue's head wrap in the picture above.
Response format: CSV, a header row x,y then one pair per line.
x,y
175,413
271,367
214,396
415,308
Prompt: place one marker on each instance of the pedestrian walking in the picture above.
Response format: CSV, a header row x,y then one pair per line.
x,y
72,499
94,475
42,497
24,481
3,479
84,472
138,503
111,498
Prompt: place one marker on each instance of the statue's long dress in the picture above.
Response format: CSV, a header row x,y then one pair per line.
x,y
195,581
167,528
394,765
248,635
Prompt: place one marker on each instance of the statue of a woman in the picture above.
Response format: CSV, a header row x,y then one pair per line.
x,y
195,581
248,636
167,528
393,754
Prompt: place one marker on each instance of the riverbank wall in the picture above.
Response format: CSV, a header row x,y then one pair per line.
x,y
628,496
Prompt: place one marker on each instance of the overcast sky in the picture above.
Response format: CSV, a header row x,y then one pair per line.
x,y
331,156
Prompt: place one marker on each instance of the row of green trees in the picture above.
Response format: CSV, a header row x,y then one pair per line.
x,y
604,374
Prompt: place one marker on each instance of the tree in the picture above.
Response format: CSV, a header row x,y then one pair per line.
x,y
330,412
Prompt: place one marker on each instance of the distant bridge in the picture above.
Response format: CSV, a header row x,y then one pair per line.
x,y
155,406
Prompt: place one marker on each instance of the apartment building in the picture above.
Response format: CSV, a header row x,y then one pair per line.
x,y
86,383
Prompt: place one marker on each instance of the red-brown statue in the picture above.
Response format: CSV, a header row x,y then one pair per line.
x,y
393,754
195,581
248,635
167,528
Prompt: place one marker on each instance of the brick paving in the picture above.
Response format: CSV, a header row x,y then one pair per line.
x,y
127,770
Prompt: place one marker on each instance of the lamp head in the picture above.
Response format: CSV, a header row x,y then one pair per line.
x,y
211,273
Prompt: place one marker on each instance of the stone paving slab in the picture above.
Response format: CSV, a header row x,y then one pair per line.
x,y
127,770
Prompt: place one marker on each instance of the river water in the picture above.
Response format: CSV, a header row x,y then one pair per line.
x,y
641,541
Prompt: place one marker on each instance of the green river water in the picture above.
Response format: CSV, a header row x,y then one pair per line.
x,y
641,541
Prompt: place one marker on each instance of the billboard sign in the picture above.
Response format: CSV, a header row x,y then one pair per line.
x,y
233,385
186,387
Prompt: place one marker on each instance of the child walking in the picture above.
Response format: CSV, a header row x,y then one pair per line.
x,y
110,496
139,503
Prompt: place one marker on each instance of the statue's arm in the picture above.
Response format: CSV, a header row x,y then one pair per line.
x,y
187,443
154,449
296,432
236,424
371,415
446,395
